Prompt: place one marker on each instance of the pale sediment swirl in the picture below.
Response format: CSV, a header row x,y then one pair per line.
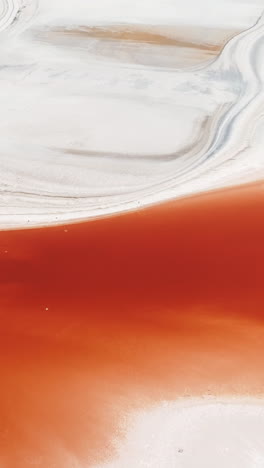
x,y
15,13
105,108
8,12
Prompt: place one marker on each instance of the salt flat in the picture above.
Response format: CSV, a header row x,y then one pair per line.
x,y
107,107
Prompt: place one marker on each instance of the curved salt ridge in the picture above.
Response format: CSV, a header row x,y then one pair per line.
x,y
95,120
8,12
194,434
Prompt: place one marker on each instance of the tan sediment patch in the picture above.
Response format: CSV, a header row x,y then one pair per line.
x,y
128,42
159,35
203,130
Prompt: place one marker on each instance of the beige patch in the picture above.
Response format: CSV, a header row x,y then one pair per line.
x,y
155,36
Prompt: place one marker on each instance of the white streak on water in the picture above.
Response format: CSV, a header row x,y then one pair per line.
x,y
108,106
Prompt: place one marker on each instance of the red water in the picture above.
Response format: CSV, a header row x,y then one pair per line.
x,y
106,316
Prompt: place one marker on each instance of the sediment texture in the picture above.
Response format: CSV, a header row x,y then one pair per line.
x,y
106,108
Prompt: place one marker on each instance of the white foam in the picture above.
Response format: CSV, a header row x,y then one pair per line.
x,y
198,433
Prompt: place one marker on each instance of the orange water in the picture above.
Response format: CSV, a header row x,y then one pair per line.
x,y
110,315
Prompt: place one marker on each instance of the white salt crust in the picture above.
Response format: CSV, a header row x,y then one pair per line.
x,y
110,106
